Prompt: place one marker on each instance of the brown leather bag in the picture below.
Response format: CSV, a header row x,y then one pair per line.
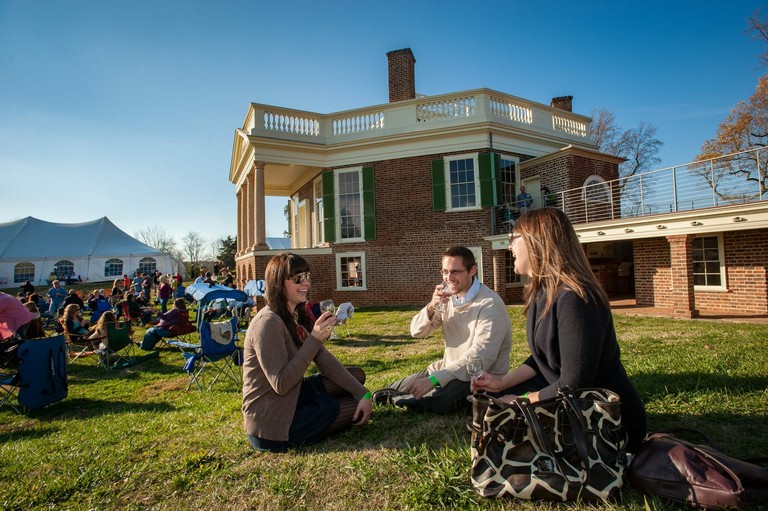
x,y
699,475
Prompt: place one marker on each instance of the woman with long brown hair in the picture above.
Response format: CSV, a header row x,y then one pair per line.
x,y
570,327
281,407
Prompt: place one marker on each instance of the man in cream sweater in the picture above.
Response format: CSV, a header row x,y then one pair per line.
x,y
475,323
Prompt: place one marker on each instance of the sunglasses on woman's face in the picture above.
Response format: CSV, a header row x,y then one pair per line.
x,y
300,277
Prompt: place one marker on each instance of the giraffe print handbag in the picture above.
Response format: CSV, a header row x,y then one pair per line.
x,y
564,449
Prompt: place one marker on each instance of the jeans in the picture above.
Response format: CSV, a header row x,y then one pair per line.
x,y
442,400
163,305
153,336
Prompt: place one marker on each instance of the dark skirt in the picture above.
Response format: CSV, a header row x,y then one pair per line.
x,y
315,412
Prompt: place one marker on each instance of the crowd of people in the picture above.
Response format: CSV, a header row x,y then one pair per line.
x,y
569,330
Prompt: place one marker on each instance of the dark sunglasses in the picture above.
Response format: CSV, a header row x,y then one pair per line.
x,y
301,277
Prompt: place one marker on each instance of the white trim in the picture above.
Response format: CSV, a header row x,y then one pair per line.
x,y
337,204
604,187
362,270
447,177
319,234
721,259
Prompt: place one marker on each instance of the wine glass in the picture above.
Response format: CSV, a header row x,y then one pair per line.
x,y
475,367
327,306
447,291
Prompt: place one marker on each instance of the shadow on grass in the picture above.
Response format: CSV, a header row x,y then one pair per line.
x,y
374,341
659,385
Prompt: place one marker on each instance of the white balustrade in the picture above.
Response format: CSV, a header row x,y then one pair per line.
x,y
512,111
359,123
449,108
570,126
285,123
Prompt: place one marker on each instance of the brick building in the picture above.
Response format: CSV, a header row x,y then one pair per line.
x,y
377,194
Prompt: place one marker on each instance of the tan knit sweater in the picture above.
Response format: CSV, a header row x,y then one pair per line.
x,y
273,369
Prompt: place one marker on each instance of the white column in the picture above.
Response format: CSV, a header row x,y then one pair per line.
x,y
249,211
259,213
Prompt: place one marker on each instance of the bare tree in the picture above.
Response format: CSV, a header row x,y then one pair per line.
x,y
638,146
157,237
758,29
194,245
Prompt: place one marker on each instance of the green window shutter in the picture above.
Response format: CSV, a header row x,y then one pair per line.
x,y
369,204
499,186
438,185
329,207
489,192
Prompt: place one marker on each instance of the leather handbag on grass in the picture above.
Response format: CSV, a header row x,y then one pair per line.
x,y
564,449
699,475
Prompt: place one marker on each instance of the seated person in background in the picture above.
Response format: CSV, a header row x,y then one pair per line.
x,y
179,292
141,299
176,319
35,329
117,292
135,311
72,297
27,287
15,319
74,324
98,332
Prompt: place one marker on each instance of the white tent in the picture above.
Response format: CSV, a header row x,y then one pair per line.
x,y
32,249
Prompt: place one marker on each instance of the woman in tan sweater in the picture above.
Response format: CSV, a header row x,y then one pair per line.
x,y
281,407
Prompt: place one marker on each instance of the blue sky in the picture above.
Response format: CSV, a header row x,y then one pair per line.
x,y
128,109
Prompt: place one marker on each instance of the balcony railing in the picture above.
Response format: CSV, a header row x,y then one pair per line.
x,y
475,106
736,178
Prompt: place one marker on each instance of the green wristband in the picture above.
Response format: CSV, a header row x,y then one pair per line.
x,y
524,395
367,395
434,380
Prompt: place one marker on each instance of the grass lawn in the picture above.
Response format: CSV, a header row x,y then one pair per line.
x,y
135,439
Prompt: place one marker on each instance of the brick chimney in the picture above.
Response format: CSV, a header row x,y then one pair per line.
x,y
563,103
402,82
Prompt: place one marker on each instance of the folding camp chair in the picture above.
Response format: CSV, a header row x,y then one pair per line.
x,y
216,353
41,378
9,373
119,350
77,345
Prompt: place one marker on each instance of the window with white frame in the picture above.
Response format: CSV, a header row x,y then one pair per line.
x,y
462,182
148,265
23,271
113,268
596,190
317,190
349,193
508,172
350,271
511,277
708,267
64,268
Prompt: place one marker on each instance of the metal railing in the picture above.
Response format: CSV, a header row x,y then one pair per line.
x,y
736,178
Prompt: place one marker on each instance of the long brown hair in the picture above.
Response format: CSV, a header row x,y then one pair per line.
x,y
280,268
556,258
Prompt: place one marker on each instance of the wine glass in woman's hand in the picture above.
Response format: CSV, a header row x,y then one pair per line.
x,y
475,367
327,306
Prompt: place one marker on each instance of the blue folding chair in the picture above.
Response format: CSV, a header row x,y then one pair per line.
x,y
41,377
216,353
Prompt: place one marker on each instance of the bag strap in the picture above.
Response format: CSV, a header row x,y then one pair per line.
x,y
576,419
726,468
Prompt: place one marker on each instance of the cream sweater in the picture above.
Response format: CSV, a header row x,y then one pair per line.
x,y
479,328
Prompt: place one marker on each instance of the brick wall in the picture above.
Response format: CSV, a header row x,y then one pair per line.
x,y
653,277
746,262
